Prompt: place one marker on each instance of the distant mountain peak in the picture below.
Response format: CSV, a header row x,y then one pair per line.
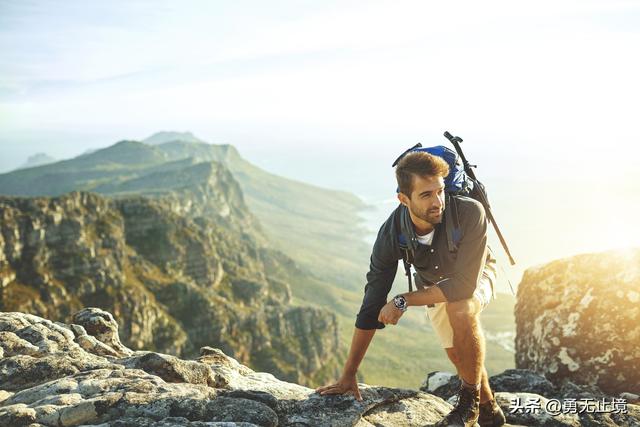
x,y
123,143
169,136
127,152
37,159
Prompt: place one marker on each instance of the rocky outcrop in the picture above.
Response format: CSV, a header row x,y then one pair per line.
x,y
199,190
51,377
578,319
80,374
175,281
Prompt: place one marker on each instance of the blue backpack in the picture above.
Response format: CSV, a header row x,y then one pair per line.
x,y
457,182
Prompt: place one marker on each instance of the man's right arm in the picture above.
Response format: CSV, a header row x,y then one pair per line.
x,y
347,383
382,271
359,345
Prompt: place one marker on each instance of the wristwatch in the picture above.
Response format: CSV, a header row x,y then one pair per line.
x,y
400,302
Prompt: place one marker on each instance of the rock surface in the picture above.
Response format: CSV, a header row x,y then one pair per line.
x,y
578,319
51,379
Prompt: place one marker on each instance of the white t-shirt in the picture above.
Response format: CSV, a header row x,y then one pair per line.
x,y
427,238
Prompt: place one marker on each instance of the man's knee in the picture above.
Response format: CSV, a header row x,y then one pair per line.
x,y
453,356
463,313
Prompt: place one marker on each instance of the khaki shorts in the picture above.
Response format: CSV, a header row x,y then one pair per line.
x,y
440,320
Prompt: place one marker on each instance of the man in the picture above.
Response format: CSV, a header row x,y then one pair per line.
x,y
454,285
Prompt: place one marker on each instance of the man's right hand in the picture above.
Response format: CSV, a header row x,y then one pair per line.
x,y
346,384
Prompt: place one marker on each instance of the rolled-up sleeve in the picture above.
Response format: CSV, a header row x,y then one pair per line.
x,y
471,256
490,270
382,271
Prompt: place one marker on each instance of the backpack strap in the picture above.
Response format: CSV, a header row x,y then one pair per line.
x,y
407,258
452,224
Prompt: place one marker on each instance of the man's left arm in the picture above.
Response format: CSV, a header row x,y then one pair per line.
x,y
470,259
424,296
467,269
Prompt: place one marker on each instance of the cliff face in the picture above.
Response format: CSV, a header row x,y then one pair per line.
x,y
176,275
579,319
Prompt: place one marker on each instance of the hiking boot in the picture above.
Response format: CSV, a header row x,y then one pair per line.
x,y
466,411
491,415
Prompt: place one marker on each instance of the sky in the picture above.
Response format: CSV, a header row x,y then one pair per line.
x,y
545,95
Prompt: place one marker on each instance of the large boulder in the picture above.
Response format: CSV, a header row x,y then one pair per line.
x,y
578,319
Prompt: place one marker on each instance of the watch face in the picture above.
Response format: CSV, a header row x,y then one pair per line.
x,y
400,302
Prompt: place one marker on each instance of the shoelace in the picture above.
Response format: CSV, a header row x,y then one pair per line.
x,y
464,402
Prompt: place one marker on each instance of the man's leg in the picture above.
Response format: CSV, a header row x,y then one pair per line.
x,y
463,322
439,319
468,339
456,324
485,389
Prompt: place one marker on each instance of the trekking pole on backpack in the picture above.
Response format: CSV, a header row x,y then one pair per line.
x,y
468,168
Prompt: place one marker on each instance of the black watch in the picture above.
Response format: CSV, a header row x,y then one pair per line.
x,y
400,302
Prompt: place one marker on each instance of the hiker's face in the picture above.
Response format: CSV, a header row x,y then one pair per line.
x,y
427,198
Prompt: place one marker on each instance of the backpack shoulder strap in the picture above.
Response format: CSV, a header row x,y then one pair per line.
x,y
407,259
452,224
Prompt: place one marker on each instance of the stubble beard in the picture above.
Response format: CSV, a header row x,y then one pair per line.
x,y
434,218
431,217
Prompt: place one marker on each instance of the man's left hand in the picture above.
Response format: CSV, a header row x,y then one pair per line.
x,y
390,314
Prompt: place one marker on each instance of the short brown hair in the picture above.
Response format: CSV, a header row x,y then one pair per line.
x,y
421,164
